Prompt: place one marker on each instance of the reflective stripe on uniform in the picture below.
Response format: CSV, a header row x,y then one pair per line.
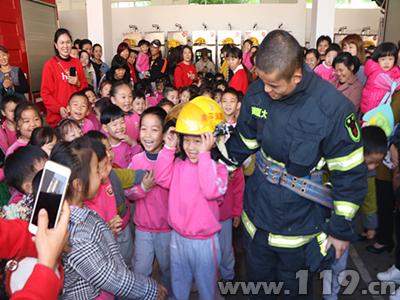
x,y
269,158
345,209
322,240
284,241
250,143
347,162
250,228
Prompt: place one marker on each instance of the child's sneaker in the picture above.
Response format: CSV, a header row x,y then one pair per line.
x,y
392,274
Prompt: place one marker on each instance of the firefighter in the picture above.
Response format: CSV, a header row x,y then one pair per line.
x,y
296,124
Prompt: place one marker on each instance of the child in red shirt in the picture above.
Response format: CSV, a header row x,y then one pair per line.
x,y
239,81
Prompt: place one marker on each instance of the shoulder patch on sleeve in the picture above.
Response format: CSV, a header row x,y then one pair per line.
x,y
353,129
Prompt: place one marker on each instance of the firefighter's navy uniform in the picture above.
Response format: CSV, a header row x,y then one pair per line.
x,y
288,211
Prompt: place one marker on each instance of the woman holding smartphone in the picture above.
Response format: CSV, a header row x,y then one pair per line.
x,y
62,76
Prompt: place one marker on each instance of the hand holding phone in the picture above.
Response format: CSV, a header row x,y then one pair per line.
x,y
72,72
52,188
51,242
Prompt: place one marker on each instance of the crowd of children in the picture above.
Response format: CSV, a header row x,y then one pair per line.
x,y
144,185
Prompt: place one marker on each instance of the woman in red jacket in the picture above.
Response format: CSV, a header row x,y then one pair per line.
x,y
62,76
240,79
16,241
185,72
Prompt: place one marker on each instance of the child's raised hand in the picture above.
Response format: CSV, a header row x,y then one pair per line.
x,y
63,112
115,224
127,139
171,138
207,142
149,180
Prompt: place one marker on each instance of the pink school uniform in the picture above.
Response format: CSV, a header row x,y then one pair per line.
x,y
92,117
104,203
132,121
17,144
195,189
142,62
246,60
122,154
11,135
87,126
151,207
325,72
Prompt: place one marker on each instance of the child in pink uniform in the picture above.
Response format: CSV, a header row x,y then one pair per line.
x,y
246,61
325,70
21,167
143,59
152,235
113,123
27,118
122,96
197,185
78,110
381,71
7,107
110,202
91,114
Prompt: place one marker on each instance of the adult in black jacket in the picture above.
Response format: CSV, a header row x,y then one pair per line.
x,y
158,65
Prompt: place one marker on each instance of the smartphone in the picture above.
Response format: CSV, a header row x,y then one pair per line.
x,y
72,71
52,188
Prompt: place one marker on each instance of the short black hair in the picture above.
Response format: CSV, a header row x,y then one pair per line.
x,y
234,92
102,103
164,102
95,134
324,38
79,94
385,49
42,136
116,85
83,42
10,98
111,113
96,145
156,111
168,89
374,139
63,126
139,94
207,90
221,82
333,47
19,166
280,51
348,60
143,42
312,51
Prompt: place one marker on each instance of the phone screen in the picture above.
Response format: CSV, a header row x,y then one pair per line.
x,y
51,190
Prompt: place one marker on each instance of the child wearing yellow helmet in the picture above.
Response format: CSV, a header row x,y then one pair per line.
x,y
196,184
